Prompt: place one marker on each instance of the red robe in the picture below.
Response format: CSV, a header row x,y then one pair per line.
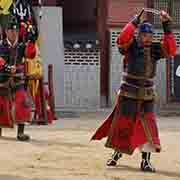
x,y
125,134
38,111
17,110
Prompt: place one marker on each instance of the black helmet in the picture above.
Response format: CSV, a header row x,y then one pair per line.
x,y
12,23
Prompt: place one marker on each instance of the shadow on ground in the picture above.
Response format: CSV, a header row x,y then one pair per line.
x,y
134,169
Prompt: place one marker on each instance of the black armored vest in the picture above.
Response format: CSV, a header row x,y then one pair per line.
x,y
142,61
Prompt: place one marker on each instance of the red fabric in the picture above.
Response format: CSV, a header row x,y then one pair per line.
x,y
5,114
30,51
50,116
22,109
30,21
125,133
122,133
23,106
22,31
2,63
151,121
20,68
38,110
103,130
169,43
139,136
126,34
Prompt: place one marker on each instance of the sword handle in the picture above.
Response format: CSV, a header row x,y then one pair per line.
x,y
137,18
140,14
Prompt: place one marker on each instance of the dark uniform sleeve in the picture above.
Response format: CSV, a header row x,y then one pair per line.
x,y
4,55
3,51
156,51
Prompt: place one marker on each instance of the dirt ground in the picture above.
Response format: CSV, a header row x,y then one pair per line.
x,y
63,152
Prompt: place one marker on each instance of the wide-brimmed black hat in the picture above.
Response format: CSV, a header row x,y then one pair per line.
x,y
12,23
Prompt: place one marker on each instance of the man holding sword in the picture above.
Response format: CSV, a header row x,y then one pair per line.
x,y
132,122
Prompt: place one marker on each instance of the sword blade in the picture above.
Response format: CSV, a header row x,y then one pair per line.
x,y
154,11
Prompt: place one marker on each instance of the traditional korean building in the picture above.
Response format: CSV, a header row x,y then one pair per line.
x,y
79,40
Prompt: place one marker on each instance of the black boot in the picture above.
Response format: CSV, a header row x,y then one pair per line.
x,y
145,163
115,157
20,134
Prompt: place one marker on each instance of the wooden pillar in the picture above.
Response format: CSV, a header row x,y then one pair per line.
x,y
51,90
150,16
102,8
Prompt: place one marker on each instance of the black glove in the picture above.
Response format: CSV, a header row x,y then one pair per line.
x,y
137,19
167,26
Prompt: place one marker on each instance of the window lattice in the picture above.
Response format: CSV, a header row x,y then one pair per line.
x,y
176,11
160,5
172,7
